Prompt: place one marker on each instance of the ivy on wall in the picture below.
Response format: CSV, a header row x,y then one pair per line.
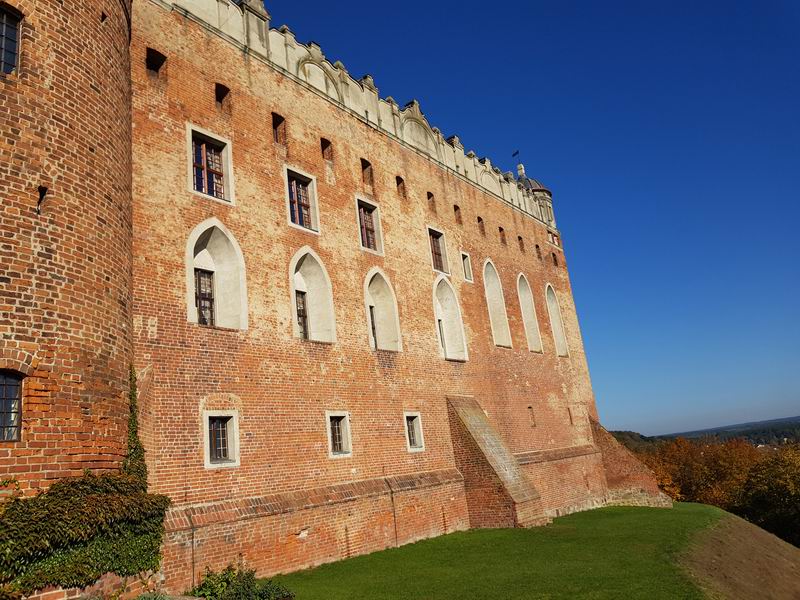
x,y
80,529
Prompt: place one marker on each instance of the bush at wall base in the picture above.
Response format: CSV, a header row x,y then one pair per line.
x,y
236,583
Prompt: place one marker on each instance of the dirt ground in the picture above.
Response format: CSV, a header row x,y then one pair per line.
x,y
737,560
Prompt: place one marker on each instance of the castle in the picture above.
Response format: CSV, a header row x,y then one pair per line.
x,y
349,333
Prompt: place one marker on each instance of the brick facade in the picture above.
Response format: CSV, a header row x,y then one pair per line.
x,y
286,503
65,280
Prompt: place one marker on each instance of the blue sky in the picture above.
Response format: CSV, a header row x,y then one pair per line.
x,y
670,136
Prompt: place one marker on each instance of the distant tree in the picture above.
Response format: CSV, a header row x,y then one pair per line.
x,y
771,494
706,471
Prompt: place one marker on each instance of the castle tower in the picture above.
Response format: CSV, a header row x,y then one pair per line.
x,y
65,237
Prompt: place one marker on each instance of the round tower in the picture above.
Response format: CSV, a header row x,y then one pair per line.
x,y
65,237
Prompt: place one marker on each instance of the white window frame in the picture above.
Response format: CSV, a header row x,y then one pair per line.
x,y
233,439
471,278
417,415
378,225
227,164
313,198
347,433
445,253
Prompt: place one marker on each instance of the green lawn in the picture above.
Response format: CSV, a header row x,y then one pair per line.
x,y
618,553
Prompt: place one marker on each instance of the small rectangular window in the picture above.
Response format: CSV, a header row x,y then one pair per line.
x,y
221,438
300,209
521,243
431,202
467,265
327,149
207,163
204,296
502,233
339,434
302,314
154,61
367,176
218,439
368,225
278,129
414,432
437,250
10,406
457,214
481,226
401,186
9,40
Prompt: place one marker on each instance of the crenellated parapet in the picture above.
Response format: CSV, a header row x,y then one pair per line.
x,y
246,24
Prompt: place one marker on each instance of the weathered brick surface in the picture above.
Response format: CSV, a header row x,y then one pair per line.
x,y
280,385
65,263
630,482
97,255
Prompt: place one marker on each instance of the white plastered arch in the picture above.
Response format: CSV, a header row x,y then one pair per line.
x,y
556,321
496,304
307,274
212,247
446,308
378,292
527,307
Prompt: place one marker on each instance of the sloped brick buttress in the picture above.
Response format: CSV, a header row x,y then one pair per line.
x,y
630,482
499,493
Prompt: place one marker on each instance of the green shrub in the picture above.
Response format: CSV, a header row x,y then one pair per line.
x,y
234,583
82,528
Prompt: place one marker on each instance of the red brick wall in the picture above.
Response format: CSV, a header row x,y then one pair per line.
x,y
281,385
65,264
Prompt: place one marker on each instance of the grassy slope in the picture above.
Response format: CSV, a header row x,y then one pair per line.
x,y
605,553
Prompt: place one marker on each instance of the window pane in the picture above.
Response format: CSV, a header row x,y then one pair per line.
x,y
10,406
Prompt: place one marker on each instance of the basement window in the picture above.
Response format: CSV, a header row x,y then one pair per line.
x,y
221,438
414,440
154,61
339,442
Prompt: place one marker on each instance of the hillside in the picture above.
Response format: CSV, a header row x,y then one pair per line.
x,y
736,559
773,432
690,551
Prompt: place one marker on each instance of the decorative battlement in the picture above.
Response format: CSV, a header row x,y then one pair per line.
x,y
246,24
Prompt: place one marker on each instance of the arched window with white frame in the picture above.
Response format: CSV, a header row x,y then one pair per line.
x,y
498,317
311,298
528,309
382,317
216,284
556,323
449,326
